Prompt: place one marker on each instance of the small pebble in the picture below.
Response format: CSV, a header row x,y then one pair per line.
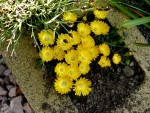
x,y
12,92
2,69
9,87
16,105
128,71
12,80
1,81
10,102
2,91
7,72
6,80
27,108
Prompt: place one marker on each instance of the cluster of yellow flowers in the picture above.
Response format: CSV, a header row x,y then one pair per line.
x,y
75,51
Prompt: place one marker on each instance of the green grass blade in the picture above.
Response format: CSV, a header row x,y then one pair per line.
x,y
123,9
148,2
135,7
136,22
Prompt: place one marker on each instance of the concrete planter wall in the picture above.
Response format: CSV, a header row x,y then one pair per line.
x,y
32,84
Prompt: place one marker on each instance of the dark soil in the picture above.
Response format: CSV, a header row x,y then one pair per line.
x,y
145,32
110,88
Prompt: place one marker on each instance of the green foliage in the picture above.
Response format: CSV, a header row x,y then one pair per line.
x,y
124,7
136,22
31,14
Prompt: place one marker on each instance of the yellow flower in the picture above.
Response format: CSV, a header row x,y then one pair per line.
x,y
72,57
46,37
73,72
116,58
84,68
84,56
94,52
47,54
59,53
83,29
100,14
75,37
80,47
82,87
63,41
104,62
88,41
63,84
61,69
104,49
69,17
99,27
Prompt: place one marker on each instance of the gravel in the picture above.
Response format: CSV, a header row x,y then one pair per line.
x,y
11,101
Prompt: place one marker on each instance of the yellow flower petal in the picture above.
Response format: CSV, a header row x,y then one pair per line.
x,y
61,69
83,29
100,14
84,56
84,68
116,58
64,42
82,87
47,54
88,41
104,49
99,27
75,37
46,37
72,57
94,52
73,72
59,53
63,85
104,62
69,17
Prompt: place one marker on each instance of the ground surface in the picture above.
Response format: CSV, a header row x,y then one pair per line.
x,y
109,92
12,99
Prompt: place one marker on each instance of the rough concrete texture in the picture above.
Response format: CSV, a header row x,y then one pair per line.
x,y
139,102
31,82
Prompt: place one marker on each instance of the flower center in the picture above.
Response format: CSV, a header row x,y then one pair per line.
x,y
72,59
47,54
64,84
47,38
81,86
61,69
72,72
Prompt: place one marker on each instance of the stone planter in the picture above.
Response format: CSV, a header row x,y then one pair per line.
x,y
32,83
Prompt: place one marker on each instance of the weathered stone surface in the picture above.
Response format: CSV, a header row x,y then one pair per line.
x,y
12,79
9,87
4,108
12,92
27,108
2,68
1,81
2,91
7,72
15,105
